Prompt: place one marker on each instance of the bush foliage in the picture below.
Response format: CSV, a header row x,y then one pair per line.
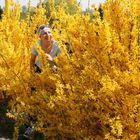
x,y
95,92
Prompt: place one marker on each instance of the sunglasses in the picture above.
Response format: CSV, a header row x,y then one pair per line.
x,y
43,26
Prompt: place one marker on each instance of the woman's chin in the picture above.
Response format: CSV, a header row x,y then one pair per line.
x,y
47,40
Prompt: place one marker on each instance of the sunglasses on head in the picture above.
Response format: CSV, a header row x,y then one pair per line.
x,y
43,26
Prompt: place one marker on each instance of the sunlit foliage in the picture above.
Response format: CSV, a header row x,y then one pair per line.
x,y
95,92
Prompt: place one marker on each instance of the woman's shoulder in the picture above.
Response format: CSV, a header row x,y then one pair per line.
x,y
55,46
54,43
37,43
35,47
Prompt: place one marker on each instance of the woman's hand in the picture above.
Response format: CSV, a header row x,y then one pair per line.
x,y
48,57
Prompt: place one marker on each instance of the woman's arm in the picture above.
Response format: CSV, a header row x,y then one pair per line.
x,y
32,62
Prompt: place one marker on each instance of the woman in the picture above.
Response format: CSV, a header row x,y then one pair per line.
x,y
51,50
49,47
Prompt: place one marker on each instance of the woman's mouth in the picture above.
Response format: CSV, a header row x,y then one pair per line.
x,y
47,38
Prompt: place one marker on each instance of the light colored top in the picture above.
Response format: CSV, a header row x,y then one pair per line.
x,y
53,53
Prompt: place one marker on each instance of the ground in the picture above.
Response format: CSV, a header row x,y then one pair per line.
x,y
7,124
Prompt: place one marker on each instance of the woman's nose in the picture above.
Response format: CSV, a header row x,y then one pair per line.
x,y
47,34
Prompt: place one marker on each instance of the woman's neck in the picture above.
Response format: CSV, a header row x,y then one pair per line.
x,y
46,46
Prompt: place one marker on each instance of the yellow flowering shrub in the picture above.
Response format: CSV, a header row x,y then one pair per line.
x,y
95,92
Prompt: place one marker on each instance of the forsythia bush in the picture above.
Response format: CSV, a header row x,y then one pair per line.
x,y
95,92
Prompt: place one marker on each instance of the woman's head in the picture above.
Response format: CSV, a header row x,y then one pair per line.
x,y
44,33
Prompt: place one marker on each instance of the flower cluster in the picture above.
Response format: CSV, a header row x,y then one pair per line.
x,y
95,92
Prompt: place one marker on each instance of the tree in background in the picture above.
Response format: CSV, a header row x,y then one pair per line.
x,y
100,9
70,8
24,11
1,12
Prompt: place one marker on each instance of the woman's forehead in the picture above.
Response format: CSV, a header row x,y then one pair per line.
x,y
46,29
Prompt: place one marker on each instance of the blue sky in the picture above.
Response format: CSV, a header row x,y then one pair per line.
x,y
84,3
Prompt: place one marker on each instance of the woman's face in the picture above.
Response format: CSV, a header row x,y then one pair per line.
x,y
46,35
